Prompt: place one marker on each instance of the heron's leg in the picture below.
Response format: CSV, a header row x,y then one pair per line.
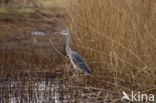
x,y
75,73
75,76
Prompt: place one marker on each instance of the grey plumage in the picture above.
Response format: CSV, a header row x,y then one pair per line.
x,y
80,63
77,61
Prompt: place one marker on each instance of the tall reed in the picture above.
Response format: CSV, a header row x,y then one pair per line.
x,y
118,40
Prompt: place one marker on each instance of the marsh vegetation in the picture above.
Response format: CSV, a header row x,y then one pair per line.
x,y
116,38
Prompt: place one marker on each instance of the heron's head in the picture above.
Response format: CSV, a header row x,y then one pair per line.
x,y
65,32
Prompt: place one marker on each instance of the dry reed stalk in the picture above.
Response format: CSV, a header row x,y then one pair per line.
x,y
118,37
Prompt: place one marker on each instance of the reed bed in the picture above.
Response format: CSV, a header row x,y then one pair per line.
x,y
117,39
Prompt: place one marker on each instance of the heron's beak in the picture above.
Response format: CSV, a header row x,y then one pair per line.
x,y
57,33
60,33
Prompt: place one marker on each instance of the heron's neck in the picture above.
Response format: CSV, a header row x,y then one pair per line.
x,y
68,50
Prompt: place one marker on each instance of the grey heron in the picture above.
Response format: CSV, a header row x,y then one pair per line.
x,y
77,61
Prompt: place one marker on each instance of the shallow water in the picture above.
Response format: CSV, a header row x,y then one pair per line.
x,y
40,88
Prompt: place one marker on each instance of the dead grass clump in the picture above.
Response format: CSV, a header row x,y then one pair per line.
x,y
117,39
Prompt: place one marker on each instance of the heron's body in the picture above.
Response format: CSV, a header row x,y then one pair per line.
x,y
76,60
79,63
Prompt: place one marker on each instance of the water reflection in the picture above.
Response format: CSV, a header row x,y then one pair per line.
x,y
43,88
34,88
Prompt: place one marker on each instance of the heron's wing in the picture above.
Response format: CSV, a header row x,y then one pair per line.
x,y
79,62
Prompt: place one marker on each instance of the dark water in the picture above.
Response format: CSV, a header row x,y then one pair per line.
x,y
44,88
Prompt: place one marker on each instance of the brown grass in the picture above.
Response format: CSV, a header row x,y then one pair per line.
x,y
117,39
22,51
